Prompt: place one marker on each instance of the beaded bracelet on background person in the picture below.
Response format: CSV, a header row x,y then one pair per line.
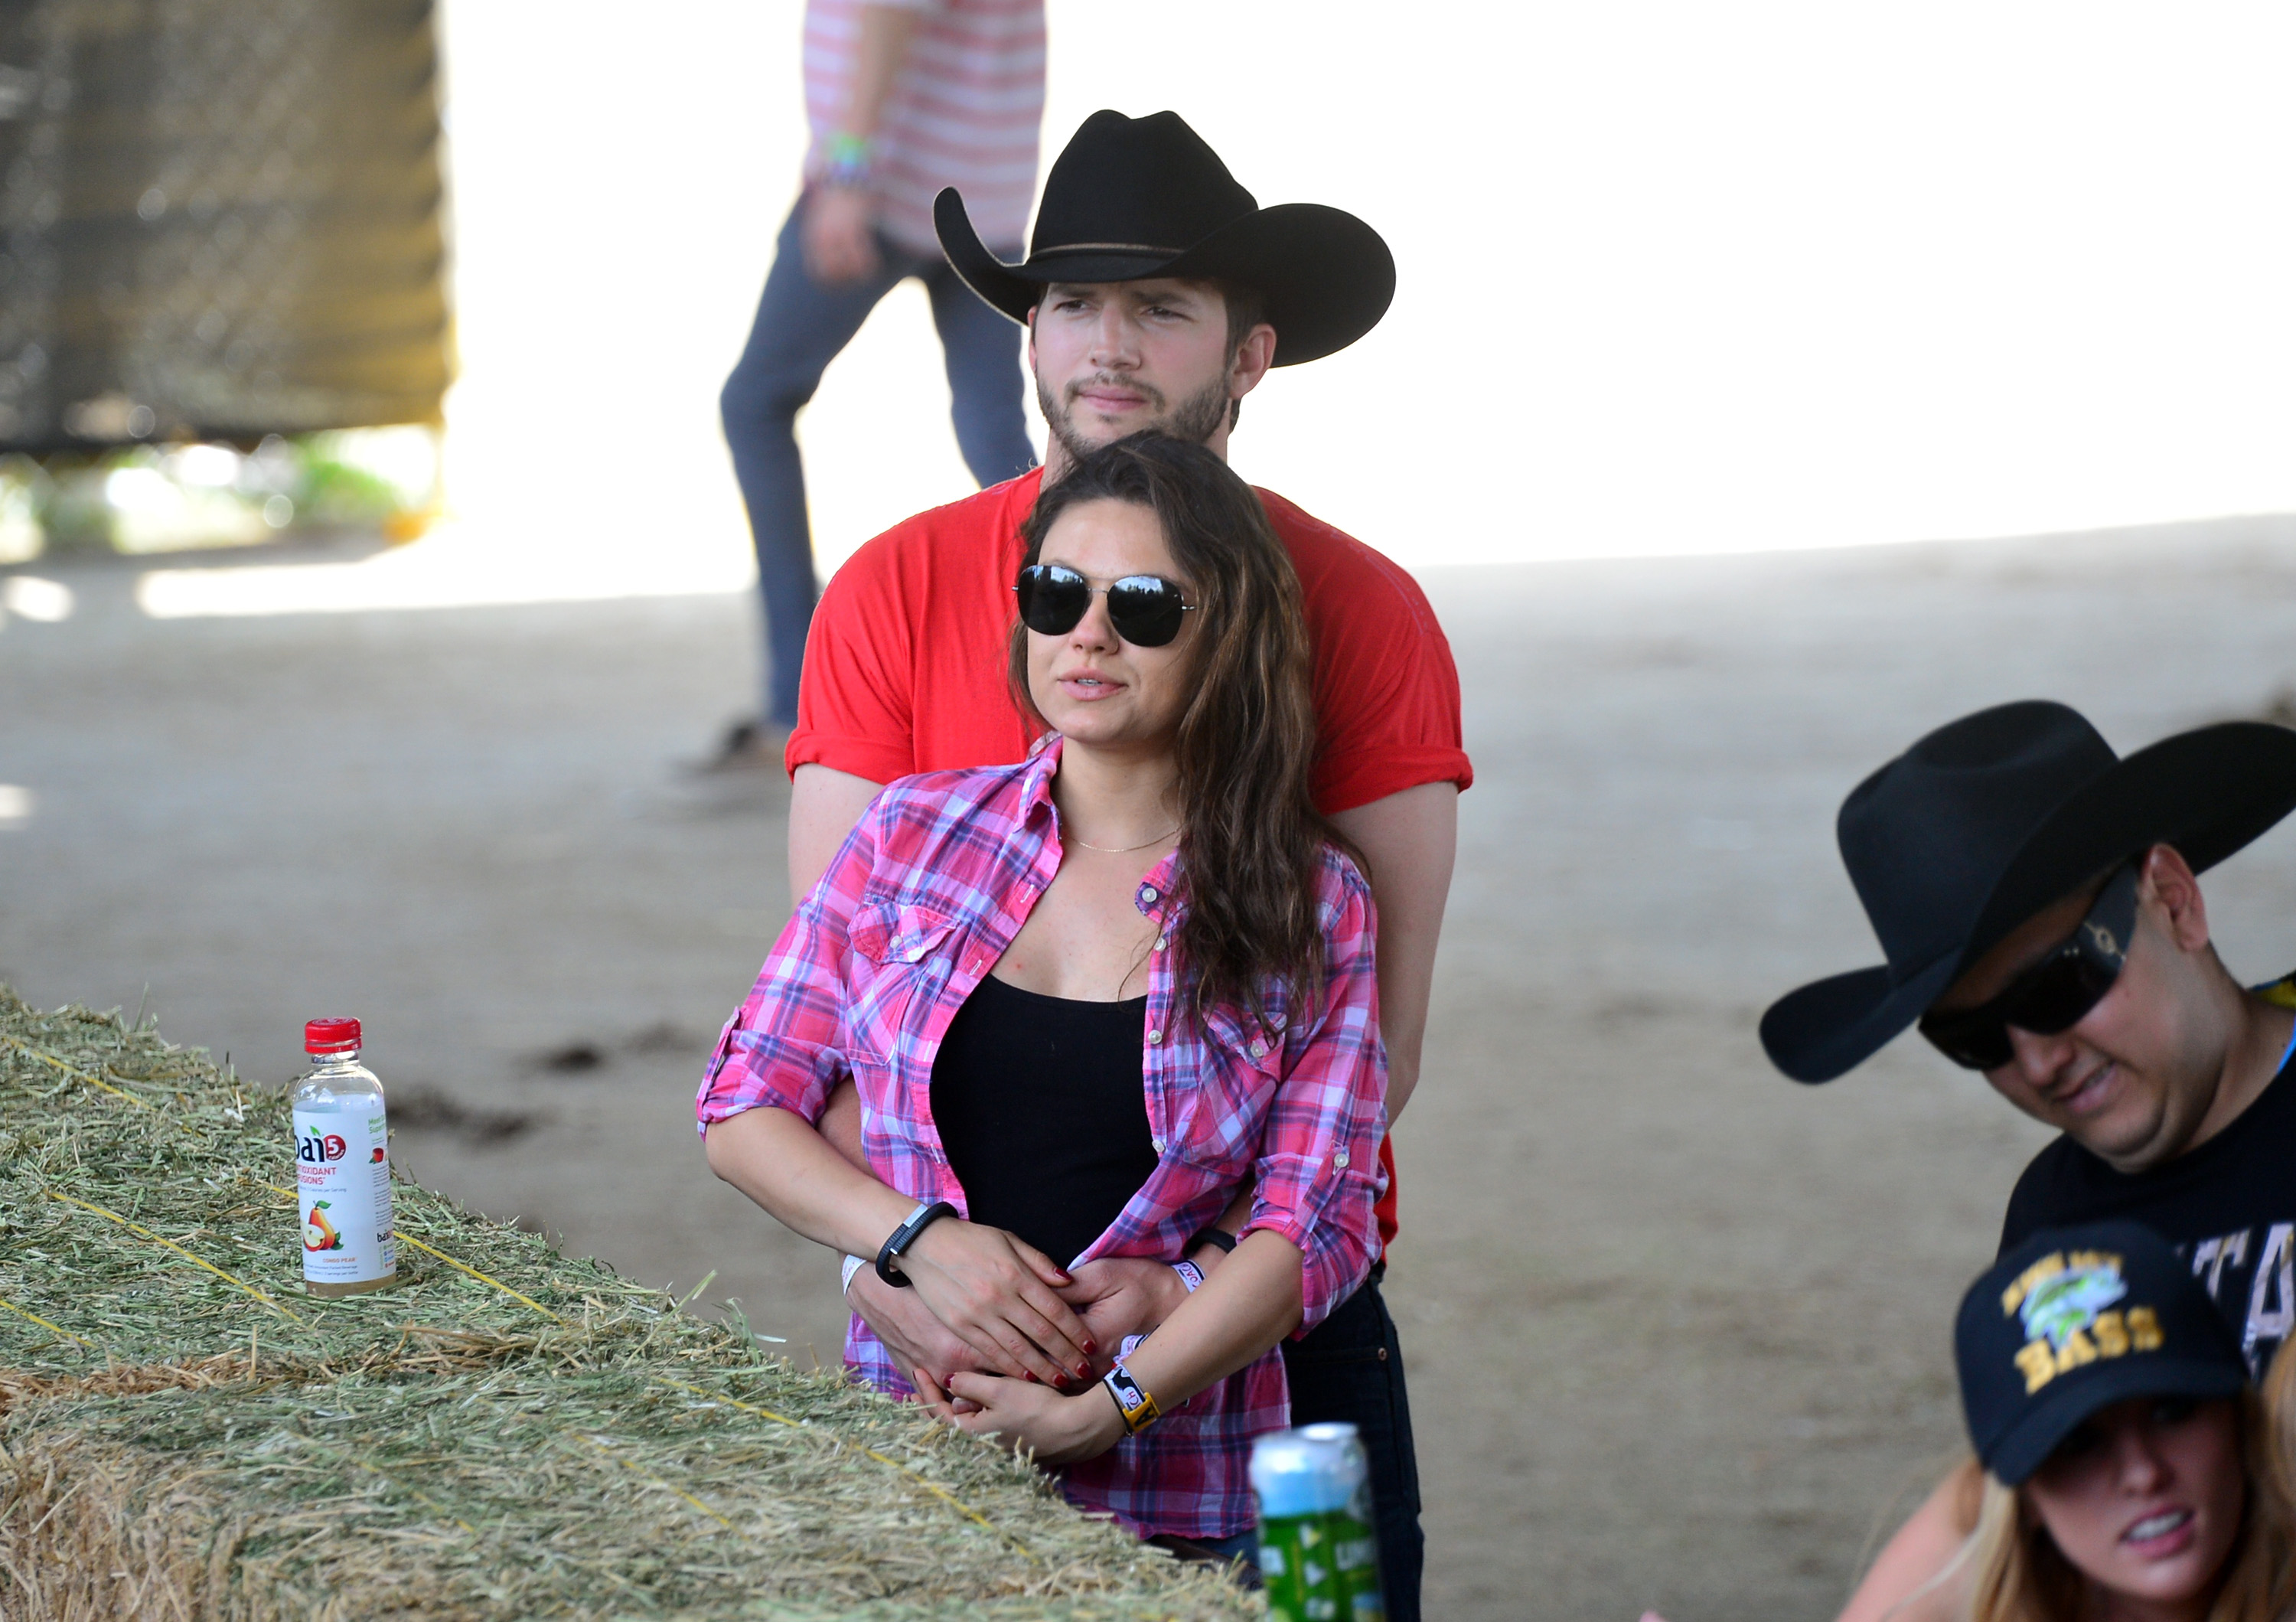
x,y
844,161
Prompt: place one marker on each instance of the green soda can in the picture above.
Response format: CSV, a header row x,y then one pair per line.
x,y
1318,1555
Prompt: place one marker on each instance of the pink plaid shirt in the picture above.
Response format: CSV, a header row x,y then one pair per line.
x,y
921,900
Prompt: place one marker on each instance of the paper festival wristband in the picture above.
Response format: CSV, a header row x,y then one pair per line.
x,y
1134,1405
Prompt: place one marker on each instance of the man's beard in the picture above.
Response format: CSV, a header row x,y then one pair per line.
x,y
1198,418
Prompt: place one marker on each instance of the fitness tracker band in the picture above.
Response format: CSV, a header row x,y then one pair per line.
x,y
1219,1236
927,1212
1134,1406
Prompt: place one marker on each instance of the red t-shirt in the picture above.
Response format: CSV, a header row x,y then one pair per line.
x,y
905,670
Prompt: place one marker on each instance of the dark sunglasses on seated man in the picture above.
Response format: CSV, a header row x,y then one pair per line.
x,y
1147,610
2054,993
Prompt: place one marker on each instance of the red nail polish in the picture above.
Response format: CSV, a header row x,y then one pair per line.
x,y
1084,1370
1090,1348
1032,1373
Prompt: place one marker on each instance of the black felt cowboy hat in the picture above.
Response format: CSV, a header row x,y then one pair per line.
x,y
1991,818
1135,197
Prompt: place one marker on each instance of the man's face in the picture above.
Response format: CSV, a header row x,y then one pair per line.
x,y
1113,359
2131,1080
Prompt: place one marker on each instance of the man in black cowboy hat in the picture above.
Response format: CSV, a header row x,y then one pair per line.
x,y
1156,295
2037,900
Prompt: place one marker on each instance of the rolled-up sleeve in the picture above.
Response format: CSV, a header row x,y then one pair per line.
x,y
784,1045
1318,1169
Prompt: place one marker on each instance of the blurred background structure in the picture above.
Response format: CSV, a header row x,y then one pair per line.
x,y
219,219
1679,280
1675,279
222,230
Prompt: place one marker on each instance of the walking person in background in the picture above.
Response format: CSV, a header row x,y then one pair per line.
x,y
1087,999
904,97
1156,294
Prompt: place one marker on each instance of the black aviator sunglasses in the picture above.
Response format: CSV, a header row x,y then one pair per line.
x,y
1147,610
2053,995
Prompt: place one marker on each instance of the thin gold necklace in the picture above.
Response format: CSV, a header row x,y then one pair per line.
x,y
1119,850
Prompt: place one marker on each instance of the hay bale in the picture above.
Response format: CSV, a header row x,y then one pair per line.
x,y
508,1431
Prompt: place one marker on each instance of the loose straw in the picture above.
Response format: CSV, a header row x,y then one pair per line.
x,y
934,1487
43,1322
134,1227
648,1476
412,1492
482,1278
72,1070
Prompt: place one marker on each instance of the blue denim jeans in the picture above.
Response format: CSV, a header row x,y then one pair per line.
x,y
1350,1367
801,327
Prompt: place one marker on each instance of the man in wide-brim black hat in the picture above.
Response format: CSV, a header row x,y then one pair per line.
x,y
2037,903
1156,294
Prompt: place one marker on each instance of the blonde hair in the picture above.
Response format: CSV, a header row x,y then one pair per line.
x,y
2020,1575
2280,1416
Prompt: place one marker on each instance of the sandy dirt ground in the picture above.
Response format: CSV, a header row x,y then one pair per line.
x,y
1678,1329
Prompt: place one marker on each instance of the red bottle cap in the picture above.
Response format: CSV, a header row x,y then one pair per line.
x,y
330,1036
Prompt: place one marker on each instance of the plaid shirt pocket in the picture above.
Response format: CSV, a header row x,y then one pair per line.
x,y
902,956
1219,1116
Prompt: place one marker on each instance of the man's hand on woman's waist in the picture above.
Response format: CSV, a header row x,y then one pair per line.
x,y
997,1294
924,1348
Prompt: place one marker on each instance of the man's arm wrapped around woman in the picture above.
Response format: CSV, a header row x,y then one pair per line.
x,y
1317,1174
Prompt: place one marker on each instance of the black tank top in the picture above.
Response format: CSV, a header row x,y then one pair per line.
x,y
1039,1104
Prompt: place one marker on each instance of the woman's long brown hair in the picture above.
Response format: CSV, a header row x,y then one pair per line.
x,y
1251,841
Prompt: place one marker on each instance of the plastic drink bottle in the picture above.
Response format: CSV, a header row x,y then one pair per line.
x,y
1318,1554
342,1166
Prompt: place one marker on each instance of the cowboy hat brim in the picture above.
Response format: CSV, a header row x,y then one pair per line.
x,y
2207,792
1830,1027
1327,276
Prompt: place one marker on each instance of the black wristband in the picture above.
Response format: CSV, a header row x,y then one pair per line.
x,y
1219,1236
905,1236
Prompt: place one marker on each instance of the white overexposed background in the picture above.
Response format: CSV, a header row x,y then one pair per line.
x,y
1675,277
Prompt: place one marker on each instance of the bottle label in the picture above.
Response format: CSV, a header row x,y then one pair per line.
x,y
342,1164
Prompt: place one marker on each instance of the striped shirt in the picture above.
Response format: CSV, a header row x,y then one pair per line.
x,y
964,111
924,897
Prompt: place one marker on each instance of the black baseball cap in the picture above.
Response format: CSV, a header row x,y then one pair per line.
x,y
2075,1320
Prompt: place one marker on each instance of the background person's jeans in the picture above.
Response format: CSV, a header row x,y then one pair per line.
x,y
1350,1367
801,327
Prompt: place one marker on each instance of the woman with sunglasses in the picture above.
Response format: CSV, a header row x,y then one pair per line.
x,y
1087,999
